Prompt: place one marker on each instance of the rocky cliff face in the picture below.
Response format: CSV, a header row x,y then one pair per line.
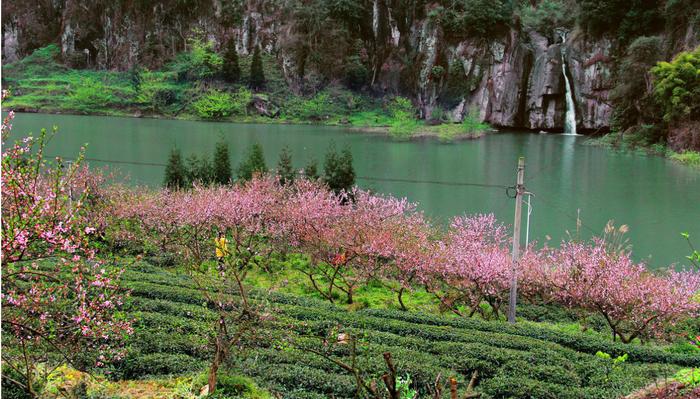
x,y
513,80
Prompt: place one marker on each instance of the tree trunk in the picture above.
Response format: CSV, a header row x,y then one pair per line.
x,y
219,356
214,369
403,306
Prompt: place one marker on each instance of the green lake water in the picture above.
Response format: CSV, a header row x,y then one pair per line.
x,y
658,199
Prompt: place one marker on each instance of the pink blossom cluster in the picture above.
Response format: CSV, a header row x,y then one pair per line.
x,y
472,264
359,236
634,301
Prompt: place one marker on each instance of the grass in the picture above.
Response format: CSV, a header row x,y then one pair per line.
x,y
690,158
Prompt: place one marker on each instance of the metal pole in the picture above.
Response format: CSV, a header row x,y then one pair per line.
x,y
519,190
527,223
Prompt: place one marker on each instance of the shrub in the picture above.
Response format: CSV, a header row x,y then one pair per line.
x,y
356,73
91,95
471,125
319,107
41,62
403,117
215,104
475,18
241,100
155,91
200,62
236,386
158,364
311,170
690,158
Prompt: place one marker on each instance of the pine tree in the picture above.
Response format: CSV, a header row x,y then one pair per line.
x,y
231,70
257,76
311,170
253,164
347,171
175,174
222,164
199,170
338,171
285,170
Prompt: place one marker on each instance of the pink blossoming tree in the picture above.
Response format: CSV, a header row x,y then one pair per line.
x,y
58,300
634,302
472,265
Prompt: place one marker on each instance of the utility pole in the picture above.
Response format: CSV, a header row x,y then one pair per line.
x,y
519,191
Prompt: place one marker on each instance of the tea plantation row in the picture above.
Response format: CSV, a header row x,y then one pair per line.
x,y
173,327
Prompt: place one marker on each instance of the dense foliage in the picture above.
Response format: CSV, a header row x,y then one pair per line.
x,y
677,86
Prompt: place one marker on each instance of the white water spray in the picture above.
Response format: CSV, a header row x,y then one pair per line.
x,y
570,117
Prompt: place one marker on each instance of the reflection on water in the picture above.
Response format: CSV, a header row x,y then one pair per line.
x,y
658,199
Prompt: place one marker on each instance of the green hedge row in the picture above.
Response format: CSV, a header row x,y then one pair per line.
x,y
173,326
577,341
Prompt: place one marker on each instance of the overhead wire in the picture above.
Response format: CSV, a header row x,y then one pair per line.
x,y
368,178
437,182
412,181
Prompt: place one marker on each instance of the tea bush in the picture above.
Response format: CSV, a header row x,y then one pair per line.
x,y
173,322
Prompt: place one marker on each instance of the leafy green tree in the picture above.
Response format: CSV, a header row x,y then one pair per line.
x,y
285,170
175,173
311,170
339,173
257,75
199,170
677,86
253,164
231,71
222,164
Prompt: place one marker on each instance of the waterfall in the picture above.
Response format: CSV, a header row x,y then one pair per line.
x,y
570,118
